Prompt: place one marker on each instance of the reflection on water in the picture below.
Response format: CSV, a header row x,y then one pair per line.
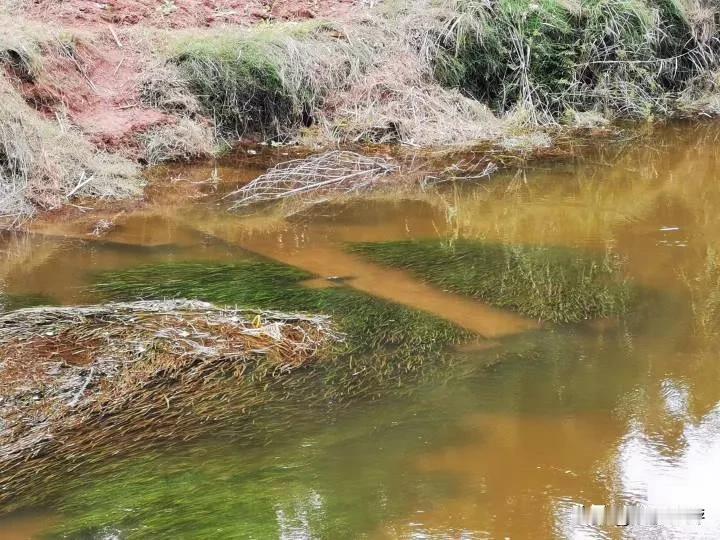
x,y
624,412
672,461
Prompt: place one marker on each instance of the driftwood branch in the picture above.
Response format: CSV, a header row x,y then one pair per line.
x,y
336,172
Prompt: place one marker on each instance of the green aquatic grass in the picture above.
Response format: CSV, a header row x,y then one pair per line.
x,y
177,499
386,343
313,481
321,477
546,283
704,290
389,351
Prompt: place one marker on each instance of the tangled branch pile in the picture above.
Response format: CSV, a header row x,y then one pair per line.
x,y
330,172
76,381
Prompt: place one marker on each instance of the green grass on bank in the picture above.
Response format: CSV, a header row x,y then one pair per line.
x,y
267,79
545,60
546,283
624,57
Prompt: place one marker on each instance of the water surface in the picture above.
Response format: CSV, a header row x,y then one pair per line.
x,y
613,411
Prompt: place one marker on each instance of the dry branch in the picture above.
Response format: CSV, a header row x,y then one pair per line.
x,y
465,170
313,177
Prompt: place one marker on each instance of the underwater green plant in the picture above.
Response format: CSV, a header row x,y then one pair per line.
x,y
381,349
322,475
385,343
10,302
218,489
546,283
704,291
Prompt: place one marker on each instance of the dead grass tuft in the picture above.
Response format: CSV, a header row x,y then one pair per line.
x,y
367,81
164,87
80,380
184,140
399,98
399,103
46,163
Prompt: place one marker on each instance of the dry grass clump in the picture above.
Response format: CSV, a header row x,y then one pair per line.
x,y
334,172
108,378
701,96
360,82
453,72
164,87
20,47
399,99
11,7
184,140
399,103
44,164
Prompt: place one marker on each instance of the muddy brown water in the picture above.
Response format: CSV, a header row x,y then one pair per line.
x,y
610,412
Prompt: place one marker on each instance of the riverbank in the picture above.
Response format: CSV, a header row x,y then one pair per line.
x,y
126,84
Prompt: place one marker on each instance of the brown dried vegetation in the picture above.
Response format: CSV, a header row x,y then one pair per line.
x,y
97,380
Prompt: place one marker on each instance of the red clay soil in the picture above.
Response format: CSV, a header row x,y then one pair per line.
x,y
99,89
111,113
184,13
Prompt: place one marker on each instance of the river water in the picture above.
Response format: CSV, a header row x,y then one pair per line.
x,y
611,411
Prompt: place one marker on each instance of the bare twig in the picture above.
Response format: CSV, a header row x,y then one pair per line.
x,y
82,388
84,180
335,171
115,37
